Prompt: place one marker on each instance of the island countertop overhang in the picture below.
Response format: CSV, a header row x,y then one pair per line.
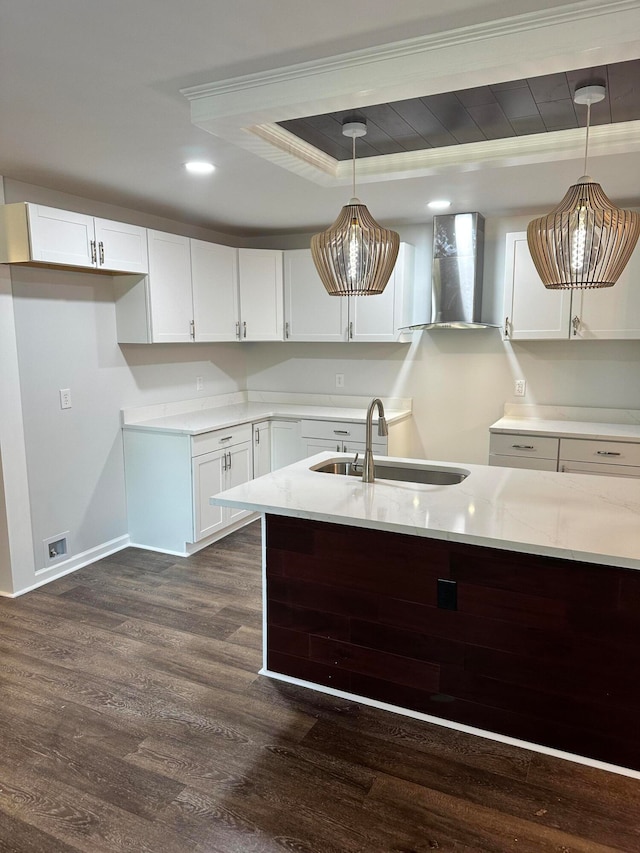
x,y
570,516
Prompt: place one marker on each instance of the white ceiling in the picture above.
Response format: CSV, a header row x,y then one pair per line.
x,y
90,104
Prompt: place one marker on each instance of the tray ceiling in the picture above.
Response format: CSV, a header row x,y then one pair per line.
x,y
516,108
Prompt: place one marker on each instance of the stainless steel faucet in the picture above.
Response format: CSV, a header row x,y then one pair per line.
x,y
368,469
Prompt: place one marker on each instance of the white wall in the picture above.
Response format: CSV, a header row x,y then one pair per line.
x,y
66,338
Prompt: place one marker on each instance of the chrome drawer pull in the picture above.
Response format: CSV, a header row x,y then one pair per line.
x,y
226,438
607,453
524,446
342,432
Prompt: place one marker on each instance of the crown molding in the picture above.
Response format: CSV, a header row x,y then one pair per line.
x,y
244,110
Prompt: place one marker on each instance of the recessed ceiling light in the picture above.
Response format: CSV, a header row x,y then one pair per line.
x,y
199,167
439,204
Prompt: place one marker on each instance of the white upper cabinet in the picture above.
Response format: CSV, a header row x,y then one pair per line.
x,y
214,278
534,313
531,312
121,247
33,233
169,288
261,294
609,313
310,313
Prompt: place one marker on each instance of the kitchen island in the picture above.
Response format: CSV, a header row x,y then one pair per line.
x,y
507,604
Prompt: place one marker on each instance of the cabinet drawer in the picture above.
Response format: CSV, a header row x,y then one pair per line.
x,y
531,463
611,452
218,439
542,447
335,430
603,469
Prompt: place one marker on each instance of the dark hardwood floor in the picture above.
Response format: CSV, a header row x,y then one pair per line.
x,y
133,719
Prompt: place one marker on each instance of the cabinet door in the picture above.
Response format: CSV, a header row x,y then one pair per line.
x,y
261,294
310,314
261,449
239,471
121,247
214,276
610,313
209,472
286,444
531,311
379,318
170,287
61,237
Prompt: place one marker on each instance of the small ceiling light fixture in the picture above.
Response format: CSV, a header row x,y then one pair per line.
x,y
439,204
199,167
355,256
586,241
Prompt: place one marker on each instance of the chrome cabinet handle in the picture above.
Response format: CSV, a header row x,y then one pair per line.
x,y
192,330
224,461
257,436
226,438
351,331
244,329
238,330
286,330
101,248
524,446
341,432
229,461
575,323
607,453
94,260
506,327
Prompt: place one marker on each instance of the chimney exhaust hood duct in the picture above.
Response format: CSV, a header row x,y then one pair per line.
x,y
456,284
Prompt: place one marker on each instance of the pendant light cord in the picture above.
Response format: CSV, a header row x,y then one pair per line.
x,y
353,157
586,144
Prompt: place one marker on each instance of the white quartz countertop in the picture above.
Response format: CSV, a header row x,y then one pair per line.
x,y
567,429
223,417
571,516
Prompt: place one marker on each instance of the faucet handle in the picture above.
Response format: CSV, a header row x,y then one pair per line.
x,y
355,461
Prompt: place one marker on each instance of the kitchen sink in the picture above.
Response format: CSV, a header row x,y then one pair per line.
x,y
433,475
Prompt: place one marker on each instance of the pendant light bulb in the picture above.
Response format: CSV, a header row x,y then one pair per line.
x,y
355,256
585,241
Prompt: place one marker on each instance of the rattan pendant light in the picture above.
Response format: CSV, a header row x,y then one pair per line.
x,y
586,241
355,256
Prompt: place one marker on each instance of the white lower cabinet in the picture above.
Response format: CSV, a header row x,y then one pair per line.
x,y
568,455
212,473
170,478
261,448
286,443
531,312
348,437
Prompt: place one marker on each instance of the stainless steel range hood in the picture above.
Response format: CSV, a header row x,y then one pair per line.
x,y
456,282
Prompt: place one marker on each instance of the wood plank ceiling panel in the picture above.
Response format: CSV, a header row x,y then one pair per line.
x,y
512,108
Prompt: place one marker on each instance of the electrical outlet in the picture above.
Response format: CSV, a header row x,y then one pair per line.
x,y
520,387
339,380
199,383
65,398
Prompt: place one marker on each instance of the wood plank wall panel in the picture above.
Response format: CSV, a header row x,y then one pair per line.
x,y
541,649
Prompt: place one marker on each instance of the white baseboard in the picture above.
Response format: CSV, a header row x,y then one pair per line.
x,y
193,547
74,563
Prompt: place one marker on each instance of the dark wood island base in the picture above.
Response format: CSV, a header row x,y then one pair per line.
x,y
535,648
